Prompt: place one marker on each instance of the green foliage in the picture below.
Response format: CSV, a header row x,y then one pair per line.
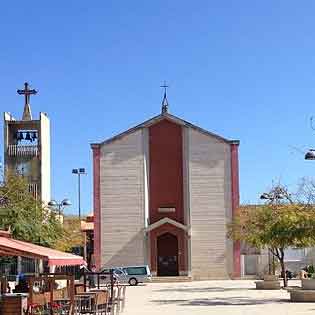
x,y
311,269
27,219
72,237
275,226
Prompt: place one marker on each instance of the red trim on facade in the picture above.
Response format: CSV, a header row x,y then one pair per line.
x,y
166,170
97,203
235,206
182,245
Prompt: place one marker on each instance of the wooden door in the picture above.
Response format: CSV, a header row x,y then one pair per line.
x,y
167,255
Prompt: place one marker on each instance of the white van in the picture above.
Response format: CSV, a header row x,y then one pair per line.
x,y
137,274
130,274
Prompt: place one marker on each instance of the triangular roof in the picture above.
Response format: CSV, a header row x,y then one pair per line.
x,y
171,118
164,221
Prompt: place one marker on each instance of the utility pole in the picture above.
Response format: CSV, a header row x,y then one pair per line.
x,y
79,172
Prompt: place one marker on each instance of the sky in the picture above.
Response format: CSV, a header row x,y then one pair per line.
x,y
242,69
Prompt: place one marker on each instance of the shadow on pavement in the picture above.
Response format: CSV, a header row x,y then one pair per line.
x,y
229,301
202,290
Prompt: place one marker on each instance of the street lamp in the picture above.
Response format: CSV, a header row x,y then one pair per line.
x,y
265,196
310,155
79,172
59,205
275,194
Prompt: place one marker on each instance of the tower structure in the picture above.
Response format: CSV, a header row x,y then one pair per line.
x,y
27,148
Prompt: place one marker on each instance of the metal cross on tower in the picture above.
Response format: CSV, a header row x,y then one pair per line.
x,y
165,101
27,93
165,86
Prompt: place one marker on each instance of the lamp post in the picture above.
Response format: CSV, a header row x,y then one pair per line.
x,y
59,205
79,172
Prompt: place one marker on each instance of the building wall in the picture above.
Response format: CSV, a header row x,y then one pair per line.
x,y
186,192
122,201
96,258
210,204
6,118
45,157
166,170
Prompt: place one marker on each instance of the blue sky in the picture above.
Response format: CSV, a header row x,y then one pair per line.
x,y
242,69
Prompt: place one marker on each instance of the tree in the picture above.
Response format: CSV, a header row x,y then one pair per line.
x,y
26,217
73,236
275,225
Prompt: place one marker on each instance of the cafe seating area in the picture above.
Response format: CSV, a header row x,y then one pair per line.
x,y
60,294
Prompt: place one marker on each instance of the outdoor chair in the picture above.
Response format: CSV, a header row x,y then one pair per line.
x,y
39,304
123,298
101,303
79,288
83,304
116,300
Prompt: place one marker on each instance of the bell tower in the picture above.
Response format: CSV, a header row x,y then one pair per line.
x,y
27,148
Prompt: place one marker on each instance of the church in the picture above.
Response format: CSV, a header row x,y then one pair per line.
x,y
163,193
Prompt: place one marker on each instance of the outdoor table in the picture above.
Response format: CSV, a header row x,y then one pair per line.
x,y
97,290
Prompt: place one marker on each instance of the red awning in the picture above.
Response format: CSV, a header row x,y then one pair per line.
x,y
12,247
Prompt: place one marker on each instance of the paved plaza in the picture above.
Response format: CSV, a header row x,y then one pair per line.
x,y
211,297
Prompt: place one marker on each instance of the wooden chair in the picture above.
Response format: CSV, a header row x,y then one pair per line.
x,y
39,303
101,302
58,294
79,288
39,298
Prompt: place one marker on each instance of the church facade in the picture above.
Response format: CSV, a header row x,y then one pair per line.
x,y
163,194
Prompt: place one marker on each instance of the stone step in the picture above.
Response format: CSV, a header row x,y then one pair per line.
x,y
247,277
171,279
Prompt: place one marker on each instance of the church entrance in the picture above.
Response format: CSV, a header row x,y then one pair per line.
x,y
167,255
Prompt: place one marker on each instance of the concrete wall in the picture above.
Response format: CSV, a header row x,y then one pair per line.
x,y
210,204
186,193
7,117
45,157
122,201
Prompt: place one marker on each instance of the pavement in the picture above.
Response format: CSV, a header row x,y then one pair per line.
x,y
229,297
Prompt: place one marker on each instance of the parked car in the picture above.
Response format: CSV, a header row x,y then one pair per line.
x,y
137,274
132,274
118,275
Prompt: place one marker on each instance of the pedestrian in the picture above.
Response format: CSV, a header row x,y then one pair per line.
x,y
92,276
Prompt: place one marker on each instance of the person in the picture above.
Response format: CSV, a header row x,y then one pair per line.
x,y
8,287
22,286
92,277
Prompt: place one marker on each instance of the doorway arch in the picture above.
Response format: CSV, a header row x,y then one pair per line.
x,y
167,255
